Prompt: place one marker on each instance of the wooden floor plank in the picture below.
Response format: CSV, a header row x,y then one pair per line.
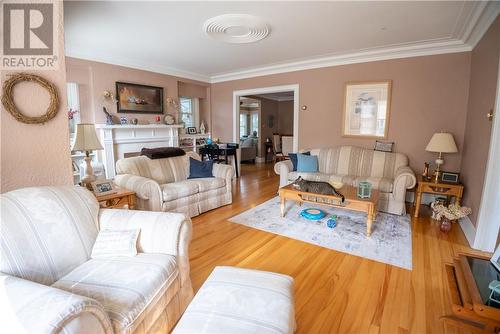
x,y
334,292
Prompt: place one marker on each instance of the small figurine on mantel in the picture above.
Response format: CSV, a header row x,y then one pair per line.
x,y
202,128
109,118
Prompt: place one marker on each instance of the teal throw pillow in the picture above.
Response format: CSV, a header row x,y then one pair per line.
x,y
307,163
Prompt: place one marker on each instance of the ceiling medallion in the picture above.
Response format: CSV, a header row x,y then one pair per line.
x,y
236,28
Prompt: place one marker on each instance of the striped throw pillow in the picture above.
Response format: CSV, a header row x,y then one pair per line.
x,y
115,243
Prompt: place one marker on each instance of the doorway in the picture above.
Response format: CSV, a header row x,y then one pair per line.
x,y
268,123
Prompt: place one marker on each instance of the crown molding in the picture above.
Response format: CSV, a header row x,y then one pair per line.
x,y
136,64
485,13
410,50
463,39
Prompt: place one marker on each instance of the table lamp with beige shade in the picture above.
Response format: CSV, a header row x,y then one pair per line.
x,y
86,141
441,142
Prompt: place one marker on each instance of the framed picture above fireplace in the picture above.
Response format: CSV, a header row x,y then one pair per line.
x,y
141,99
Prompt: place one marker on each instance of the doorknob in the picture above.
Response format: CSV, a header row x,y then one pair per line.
x,y
490,115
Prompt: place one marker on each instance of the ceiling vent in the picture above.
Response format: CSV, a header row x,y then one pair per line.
x,y
236,28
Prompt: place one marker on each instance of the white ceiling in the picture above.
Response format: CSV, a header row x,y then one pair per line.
x,y
168,37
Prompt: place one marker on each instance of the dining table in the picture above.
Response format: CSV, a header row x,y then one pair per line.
x,y
225,150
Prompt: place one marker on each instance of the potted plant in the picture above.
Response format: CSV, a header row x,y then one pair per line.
x,y
448,214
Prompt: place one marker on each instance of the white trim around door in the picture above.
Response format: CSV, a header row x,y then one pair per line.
x,y
266,90
488,221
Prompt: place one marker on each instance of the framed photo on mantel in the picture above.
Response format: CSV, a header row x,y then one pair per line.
x,y
141,99
367,108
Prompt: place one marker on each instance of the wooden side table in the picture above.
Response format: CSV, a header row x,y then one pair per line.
x,y
438,188
117,200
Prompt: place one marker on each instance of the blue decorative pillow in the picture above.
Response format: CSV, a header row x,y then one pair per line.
x,y
293,159
199,169
307,163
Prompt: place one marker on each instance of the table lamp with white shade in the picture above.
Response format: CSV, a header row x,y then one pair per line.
x,y
86,141
441,142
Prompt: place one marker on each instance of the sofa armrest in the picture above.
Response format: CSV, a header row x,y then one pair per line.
x,y
405,175
29,307
160,232
147,190
282,168
223,171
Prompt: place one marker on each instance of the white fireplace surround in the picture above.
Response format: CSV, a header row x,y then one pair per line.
x,y
120,140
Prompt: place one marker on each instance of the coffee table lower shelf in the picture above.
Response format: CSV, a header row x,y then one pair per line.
x,y
352,202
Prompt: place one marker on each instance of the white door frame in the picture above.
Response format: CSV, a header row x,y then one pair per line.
x,y
266,90
488,219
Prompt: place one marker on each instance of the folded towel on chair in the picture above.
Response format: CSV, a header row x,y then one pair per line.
x,y
162,152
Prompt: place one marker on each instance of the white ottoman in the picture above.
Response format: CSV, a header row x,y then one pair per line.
x,y
236,300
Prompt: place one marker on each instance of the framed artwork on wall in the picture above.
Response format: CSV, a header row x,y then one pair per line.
x,y
141,99
367,108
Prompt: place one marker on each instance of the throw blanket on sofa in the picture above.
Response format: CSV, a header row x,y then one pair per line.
x,y
162,152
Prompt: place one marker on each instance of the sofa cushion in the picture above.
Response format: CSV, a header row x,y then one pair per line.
x,y
125,286
208,183
163,171
322,177
381,183
46,231
175,190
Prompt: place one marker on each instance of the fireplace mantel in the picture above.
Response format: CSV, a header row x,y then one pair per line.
x,y
121,140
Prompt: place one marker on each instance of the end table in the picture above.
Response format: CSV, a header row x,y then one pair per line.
x,y
117,200
439,188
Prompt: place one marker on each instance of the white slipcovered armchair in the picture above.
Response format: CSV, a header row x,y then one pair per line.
x,y
49,283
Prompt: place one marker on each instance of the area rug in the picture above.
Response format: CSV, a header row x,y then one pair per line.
x,y
389,243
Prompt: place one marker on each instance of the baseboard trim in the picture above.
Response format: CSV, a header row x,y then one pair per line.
x,y
469,230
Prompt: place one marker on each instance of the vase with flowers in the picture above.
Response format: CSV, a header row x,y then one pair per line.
x,y
448,214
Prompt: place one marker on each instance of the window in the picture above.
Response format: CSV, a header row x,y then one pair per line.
x,y
189,111
255,123
243,125
73,106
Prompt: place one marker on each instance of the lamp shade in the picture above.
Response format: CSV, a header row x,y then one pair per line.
x,y
442,142
86,138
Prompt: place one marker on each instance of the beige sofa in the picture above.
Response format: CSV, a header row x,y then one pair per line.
x,y
163,184
387,172
51,285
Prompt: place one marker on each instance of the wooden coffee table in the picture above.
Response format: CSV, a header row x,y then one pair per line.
x,y
352,202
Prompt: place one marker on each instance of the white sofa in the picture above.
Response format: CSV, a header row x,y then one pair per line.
x,y
49,283
163,184
387,172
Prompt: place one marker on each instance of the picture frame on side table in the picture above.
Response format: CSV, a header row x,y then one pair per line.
x,y
103,187
367,107
191,130
450,177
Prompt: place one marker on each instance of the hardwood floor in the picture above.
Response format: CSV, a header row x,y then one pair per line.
x,y
334,292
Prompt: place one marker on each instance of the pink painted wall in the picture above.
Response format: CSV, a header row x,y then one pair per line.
x,y
95,77
37,154
429,94
285,109
483,83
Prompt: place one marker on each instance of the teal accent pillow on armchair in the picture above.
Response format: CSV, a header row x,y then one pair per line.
x,y
307,163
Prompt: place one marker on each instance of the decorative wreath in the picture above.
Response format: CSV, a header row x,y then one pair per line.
x,y
8,100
